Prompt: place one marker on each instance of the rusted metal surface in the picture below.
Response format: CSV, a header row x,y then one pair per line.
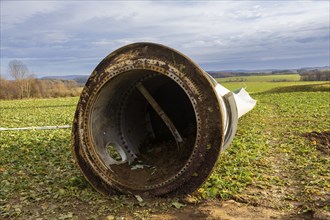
x,y
138,103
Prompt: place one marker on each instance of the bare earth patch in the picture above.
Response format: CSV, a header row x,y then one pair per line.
x,y
229,210
320,139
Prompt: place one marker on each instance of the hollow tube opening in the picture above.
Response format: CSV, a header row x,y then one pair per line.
x,y
144,150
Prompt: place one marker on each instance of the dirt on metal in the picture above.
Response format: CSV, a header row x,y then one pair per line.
x,y
111,110
156,163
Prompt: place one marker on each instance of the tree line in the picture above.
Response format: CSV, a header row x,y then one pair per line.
x,y
314,75
25,85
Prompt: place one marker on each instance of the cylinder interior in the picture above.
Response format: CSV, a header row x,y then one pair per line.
x,y
129,135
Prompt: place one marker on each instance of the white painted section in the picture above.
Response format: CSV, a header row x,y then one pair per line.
x,y
244,102
221,90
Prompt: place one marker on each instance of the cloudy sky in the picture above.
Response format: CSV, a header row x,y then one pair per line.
x,y
72,37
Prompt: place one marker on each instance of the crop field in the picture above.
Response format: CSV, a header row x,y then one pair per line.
x,y
265,78
278,165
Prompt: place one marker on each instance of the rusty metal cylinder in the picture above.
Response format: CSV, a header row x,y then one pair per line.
x,y
150,122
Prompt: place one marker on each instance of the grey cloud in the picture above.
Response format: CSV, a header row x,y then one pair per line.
x,y
70,37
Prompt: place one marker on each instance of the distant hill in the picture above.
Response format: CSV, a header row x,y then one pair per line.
x,y
242,72
80,79
314,68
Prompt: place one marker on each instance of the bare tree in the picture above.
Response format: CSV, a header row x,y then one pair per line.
x,y
19,71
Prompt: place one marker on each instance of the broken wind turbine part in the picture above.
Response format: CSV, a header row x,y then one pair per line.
x,y
151,122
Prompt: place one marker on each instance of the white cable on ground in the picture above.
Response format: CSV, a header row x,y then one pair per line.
x,y
37,128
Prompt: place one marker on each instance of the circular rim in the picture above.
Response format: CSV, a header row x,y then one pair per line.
x,y
164,60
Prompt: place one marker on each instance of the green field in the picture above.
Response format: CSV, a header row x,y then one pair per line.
x,y
263,78
271,162
257,84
